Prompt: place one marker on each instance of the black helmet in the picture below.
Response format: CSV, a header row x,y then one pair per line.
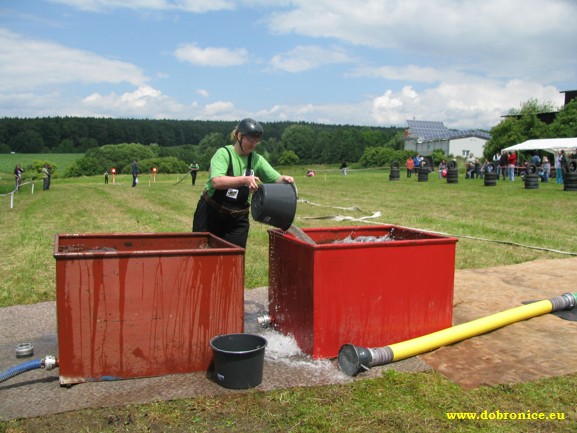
x,y
250,127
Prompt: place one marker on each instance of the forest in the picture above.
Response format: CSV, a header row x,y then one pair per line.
x,y
312,143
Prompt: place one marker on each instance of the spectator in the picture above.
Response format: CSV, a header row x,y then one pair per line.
x,y
134,173
193,169
442,169
503,164
410,165
511,163
546,170
562,164
46,175
497,162
344,168
470,167
484,169
477,168
417,160
18,176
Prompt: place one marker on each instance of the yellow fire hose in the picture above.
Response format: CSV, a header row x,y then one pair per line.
x,y
353,359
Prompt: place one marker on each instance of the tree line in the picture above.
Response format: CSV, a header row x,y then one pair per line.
x,y
190,139
174,144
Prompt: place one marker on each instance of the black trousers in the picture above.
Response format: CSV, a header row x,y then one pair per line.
x,y
231,229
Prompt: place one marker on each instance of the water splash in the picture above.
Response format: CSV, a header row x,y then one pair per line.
x,y
299,234
349,239
283,349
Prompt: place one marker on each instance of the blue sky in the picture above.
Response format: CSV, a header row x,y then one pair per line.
x,y
365,62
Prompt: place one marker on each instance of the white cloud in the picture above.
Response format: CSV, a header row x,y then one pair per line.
x,y
304,58
30,63
219,108
211,56
203,92
459,106
518,38
415,73
145,101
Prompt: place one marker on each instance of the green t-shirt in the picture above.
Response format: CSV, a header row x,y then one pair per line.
x,y
219,167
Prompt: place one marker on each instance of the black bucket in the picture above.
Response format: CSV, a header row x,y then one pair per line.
x,y
275,204
238,360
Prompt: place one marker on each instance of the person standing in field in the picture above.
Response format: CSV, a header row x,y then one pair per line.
x,y
511,163
410,165
503,164
235,172
193,169
546,167
46,175
344,168
18,176
134,173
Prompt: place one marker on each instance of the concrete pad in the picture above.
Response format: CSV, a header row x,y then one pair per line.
x,y
38,392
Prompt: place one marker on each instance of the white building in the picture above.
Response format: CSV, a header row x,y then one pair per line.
x,y
425,136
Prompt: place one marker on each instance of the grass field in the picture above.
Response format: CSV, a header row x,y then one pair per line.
x,y
504,224
62,160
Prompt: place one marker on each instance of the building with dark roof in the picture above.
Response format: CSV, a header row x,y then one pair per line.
x,y
424,137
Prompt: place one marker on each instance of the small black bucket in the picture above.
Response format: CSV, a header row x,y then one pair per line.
x,y
275,204
238,360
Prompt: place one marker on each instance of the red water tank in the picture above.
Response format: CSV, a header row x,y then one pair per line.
x,y
138,305
369,294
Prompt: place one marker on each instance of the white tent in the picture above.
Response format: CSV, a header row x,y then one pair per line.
x,y
548,144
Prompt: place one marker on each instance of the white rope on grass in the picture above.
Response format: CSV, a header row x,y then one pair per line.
x,y
378,214
348,169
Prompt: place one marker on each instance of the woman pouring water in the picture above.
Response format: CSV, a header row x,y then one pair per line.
x,y
235,172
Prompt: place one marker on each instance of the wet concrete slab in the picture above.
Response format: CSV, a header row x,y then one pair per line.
x,y
38,392
536,348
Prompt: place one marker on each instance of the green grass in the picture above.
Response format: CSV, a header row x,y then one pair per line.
x,y
496,226
9,160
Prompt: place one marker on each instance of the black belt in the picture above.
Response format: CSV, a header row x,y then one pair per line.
x,y
222,209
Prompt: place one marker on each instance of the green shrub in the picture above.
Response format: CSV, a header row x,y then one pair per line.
x,y
168,164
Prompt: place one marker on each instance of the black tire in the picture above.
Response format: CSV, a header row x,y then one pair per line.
x,y
491,179
572,166
532,169
571,176
491,168
395,165
452,165
531,181
395,174
570,180
423,175
453,174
